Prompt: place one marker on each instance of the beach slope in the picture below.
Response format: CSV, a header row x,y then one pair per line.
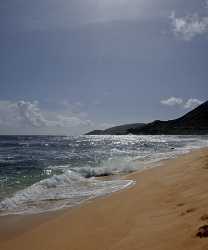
x,y
163,211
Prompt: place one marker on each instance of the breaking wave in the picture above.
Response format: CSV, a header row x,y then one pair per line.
x,y
44,173
66,190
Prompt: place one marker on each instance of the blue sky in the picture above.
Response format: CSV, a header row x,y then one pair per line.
x,y
71,66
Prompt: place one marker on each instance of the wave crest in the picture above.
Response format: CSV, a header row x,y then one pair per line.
x,y
65,190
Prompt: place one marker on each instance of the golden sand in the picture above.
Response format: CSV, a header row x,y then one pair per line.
x,y
163,211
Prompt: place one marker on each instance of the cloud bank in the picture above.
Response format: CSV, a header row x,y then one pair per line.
x,y
27,116
192,103
176,101
172,101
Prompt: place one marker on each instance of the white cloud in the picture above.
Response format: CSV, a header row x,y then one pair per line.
x,y
192,103
189,26
27,117
175,101
30,114
172,101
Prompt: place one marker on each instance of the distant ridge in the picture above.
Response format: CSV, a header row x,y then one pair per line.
x,y
194,122
117,130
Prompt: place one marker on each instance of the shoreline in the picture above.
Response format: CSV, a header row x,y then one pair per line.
x,y
165,198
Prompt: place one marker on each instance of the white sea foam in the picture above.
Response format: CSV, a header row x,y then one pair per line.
x,y
130,164
123,154
66,190
110,167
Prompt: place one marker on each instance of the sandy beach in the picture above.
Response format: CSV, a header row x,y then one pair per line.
x,y
163,211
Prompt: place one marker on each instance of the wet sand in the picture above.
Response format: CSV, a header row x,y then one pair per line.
x,y
163,211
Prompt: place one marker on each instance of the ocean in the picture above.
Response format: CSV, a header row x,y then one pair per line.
x,y
45,173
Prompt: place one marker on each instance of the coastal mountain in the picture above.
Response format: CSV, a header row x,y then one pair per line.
x,y
117,130
193,123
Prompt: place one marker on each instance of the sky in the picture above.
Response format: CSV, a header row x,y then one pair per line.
x,y
70,66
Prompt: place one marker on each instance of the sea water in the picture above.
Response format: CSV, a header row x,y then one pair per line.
x,y
44,173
